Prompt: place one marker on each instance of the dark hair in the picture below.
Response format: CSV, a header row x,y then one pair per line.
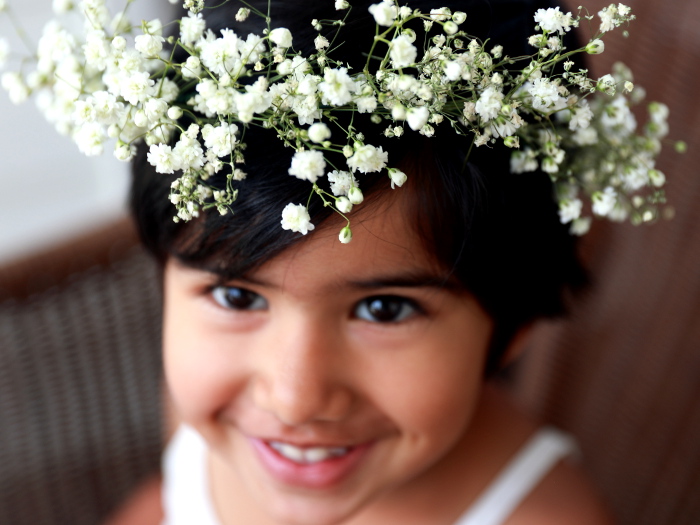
x,y
497,233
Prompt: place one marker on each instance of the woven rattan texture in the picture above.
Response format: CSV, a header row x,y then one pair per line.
x,y
80,391
624,373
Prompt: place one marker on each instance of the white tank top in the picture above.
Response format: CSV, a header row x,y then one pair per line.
x,y
186,499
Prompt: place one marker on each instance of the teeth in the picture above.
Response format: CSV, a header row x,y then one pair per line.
x,y
307,455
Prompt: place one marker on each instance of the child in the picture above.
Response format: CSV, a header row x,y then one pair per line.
x,y
323,383
333,366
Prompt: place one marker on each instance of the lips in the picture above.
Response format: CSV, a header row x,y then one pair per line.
x,y
311,467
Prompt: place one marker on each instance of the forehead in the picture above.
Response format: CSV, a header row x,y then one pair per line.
x,y
384,247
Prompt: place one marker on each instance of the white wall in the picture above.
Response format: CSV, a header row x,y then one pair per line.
x,y
48,191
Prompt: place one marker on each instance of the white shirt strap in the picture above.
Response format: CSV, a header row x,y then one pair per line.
x,y
522,474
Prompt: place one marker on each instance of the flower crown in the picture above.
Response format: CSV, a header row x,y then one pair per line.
x,y
116,82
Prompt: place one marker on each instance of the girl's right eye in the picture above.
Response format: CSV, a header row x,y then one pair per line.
x,y
235,298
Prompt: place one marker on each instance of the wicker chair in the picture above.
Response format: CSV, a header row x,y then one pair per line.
x,y
80,380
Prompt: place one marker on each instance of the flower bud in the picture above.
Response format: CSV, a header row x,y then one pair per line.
x,y
318,132
343,204
450,27
348,151
281,36
595,47
174,113
398,177
355,195
458,17
398,112
345,235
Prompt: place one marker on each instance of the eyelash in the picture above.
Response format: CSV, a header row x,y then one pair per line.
x,y
406,309
400,308
221,296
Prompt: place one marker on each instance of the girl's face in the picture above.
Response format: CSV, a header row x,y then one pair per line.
x,y
332,380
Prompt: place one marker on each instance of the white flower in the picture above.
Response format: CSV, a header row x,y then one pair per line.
x,y
581,116
368,159
608,18
155,108
295,217
345,235
441,14
355,195
489,104
321,42
319,132
523,161
242,14
402,52
585,136
337,87
604,201
192,67
308,165
398,177
545,95
148,45
192,28
606,84
453,70
97,50
341,182
384,13
124,152
281,36
220,139
343,204
341,4
221,55
570,210
580,226
136,87
553,21
15,86
62,6
595,47
90,139
417,117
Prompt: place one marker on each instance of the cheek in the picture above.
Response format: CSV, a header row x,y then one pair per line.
x,y
199,368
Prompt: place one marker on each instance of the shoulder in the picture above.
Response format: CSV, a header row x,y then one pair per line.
x,y
564,497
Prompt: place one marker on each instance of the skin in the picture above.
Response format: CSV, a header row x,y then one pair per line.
x,y
304,361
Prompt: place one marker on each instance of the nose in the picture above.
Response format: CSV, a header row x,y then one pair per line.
x,y
300,377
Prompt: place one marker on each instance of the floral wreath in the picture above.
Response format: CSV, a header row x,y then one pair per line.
x,y
116,81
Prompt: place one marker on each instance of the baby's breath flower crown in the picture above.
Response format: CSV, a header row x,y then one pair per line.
x,y
116,81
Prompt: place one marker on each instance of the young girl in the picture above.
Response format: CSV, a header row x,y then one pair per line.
x,y
319,382
340,287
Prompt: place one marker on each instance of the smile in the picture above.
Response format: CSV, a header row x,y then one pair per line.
x,y
307,455
311,467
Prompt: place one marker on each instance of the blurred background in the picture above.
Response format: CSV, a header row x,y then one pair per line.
x,y
80,311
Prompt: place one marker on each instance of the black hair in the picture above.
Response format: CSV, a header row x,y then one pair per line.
x,y
497,233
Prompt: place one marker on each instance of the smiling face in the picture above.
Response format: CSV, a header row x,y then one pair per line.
x,y
332,379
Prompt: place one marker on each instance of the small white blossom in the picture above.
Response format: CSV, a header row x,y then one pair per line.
x,y
341,182
402,52
604,201
580,226
606,84
148,45
368,159
321,42
319,132
355,195
242,14
192,28
458,17
384,13
523,161
308,165
337,87
90,139
489,104
341,4
343,204
398,177
570,210
417,117
281,36
295,217
62,6
552,20
545,95
441,14
595,47
15,86
220,139
345,235
581,116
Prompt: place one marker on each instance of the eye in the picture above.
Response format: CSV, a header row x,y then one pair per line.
x,y
235,298
385,309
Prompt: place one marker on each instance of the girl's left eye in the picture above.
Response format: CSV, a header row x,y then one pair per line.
x,y
235,298
385,309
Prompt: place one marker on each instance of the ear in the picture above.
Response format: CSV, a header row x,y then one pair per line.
x,y
517,344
